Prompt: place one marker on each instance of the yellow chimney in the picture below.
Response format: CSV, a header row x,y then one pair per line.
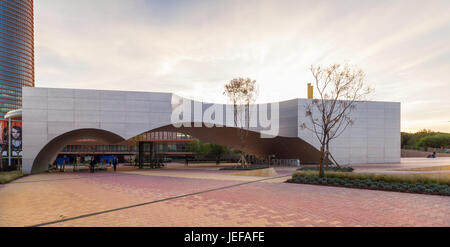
x,y
310,91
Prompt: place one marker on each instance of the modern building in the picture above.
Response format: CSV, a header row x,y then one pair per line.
x,y
16,52
54,118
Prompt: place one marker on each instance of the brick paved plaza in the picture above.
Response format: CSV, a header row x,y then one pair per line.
x,y
112,199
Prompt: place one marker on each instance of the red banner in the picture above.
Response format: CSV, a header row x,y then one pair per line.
x,y
4,129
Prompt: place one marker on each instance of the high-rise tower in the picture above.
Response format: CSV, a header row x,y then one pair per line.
x,y
16,52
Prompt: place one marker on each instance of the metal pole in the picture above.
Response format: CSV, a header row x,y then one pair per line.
x,y
9,141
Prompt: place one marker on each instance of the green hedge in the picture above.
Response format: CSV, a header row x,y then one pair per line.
x,y
333,169
400,183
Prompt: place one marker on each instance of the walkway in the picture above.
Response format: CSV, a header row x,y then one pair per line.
x,y
161,198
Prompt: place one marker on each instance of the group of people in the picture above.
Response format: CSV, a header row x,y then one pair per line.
x,y
94,162
433,155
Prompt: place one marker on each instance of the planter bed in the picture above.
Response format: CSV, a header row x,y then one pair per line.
x,y
246,168
395,183
331,169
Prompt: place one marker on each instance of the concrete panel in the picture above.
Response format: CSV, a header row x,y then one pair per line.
x,y
113,116
87,125
34,115
118,128
160,106
36,138
87,116
356,143
87,94
160,118
112,105
34,92
61,103
137,117
60,93
60,116
34,127
132,128
113,95
166,97
138,96
87,104
376,143
60,127
137,106
375,122
356,133
27,164
33,102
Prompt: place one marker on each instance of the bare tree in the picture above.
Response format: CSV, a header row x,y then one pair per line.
x,y
340,87
242,93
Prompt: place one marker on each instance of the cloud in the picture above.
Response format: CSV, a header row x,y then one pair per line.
x,y
192,48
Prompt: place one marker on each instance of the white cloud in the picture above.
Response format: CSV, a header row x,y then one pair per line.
x,y
192,48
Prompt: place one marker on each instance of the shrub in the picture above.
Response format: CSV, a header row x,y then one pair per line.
x,y
435,141
402,183
333,169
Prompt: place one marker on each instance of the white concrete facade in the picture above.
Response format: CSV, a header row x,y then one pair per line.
x,y
373,138
49,113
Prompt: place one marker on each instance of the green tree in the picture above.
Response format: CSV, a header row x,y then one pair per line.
x,y
435,141
199,148
419,135
405,138
218,151
412,139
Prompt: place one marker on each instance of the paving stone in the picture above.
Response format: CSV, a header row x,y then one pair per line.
x,y
49,197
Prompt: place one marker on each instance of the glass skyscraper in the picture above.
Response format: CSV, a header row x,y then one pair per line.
x,y
16,52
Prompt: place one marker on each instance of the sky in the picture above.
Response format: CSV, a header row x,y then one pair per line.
x,y
193,48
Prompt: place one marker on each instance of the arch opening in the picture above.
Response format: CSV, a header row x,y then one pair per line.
x,y
48,154
281,147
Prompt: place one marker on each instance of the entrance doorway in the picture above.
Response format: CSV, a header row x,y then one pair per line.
x,y
149,155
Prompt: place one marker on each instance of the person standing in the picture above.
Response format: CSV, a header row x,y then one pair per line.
x,y
92,164
115,161
63,166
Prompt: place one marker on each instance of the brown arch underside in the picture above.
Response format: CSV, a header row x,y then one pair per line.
x,y
49,153
281,147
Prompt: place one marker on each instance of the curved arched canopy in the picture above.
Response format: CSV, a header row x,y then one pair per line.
x,y
281,147
50,151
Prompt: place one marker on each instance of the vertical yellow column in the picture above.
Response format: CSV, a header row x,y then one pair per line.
x,y
310,91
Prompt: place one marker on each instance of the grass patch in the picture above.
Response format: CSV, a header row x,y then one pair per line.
x,y
413,183
243,168
438,176
6,177
425,169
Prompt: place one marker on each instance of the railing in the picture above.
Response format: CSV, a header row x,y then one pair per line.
x,y
286,162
